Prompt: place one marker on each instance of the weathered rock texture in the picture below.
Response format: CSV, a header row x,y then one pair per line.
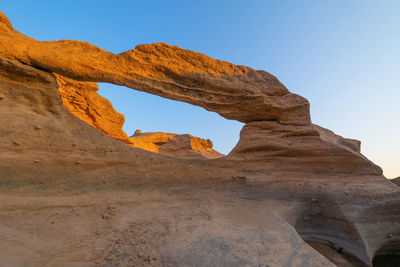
x,y
290,194
175,145
82,100
267,145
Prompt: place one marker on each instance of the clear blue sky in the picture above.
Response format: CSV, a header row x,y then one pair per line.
x,y
344,56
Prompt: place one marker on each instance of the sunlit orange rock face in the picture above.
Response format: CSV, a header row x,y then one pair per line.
x,y
180,146
82,100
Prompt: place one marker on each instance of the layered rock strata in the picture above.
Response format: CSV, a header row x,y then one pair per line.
x,y
71,195
267,145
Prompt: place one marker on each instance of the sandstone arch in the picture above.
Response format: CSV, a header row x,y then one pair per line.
x,y
234,92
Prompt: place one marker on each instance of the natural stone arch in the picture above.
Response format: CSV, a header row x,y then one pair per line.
x,y
235,92
83,100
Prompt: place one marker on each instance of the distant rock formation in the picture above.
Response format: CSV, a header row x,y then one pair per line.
x,y
180,146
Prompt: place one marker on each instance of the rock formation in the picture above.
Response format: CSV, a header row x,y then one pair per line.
x,y
82,100
234,92
266,145
180,146
290,194
396,181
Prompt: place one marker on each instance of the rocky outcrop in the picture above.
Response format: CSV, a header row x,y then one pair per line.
x,y
180,146
71,195
82,100
396,181
269,145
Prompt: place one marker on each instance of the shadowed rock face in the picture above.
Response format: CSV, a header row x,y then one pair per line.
x,y
290,194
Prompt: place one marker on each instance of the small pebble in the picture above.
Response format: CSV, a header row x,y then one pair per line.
x,y
1,97
37,127
36,161
73,144
314,200
15,143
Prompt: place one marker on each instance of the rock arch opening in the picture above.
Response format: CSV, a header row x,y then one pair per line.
x,y
171,127
151,122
